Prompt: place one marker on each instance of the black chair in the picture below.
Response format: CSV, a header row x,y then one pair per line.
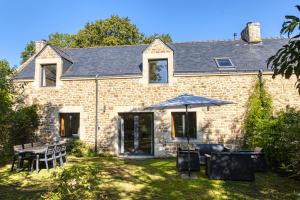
x,y
258,159
229,166
45,157
208,149
182,160
241,167
218,166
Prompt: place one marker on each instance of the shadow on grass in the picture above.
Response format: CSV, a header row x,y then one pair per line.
x,y
106,177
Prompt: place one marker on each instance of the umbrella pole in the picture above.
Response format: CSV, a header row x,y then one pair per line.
x,y
188,139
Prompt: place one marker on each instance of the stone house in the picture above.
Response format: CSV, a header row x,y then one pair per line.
x,y
99,94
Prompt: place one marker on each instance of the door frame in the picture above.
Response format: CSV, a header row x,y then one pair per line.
x,y
120,125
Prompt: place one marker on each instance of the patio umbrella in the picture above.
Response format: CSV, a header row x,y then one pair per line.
x,y
187,101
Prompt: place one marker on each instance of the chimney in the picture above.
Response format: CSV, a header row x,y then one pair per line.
x,y
39,45
251,33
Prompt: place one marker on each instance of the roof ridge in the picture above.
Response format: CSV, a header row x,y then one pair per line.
x,y
227,40
170,43
99,47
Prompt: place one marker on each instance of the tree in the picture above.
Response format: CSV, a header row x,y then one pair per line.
x,y
287,59
17,121
28,51
6,89
107,32
166,38
62,40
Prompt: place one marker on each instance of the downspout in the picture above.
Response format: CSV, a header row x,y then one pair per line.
x,y
96,119
260,73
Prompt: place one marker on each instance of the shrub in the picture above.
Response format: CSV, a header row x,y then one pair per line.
x,y
76,182
283,149
258,115
278,135
17,121
78,148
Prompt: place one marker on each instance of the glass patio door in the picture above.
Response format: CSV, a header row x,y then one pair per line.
x,y
136,133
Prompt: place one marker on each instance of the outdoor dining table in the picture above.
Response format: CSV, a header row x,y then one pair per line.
x,y
32,150
37,150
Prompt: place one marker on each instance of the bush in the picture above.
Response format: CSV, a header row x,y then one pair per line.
x,y
76,182
258,115
283,149
78,148
17,121
278,135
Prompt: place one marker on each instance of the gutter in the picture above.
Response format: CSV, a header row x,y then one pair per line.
x,y
96,119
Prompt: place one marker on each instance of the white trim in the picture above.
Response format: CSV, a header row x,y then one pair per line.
x,y
182,74
101,77
38,67
232,66
187,74
24,80
199,121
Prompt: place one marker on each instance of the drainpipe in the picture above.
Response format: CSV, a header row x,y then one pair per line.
x,y
260,73
96,124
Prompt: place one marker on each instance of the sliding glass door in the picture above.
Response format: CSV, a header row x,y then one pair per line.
x,y
136,133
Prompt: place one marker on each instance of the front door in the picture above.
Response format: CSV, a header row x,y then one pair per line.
x,y
136,133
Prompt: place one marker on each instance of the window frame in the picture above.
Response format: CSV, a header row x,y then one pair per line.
x,y
158,59
62,125
224,67
42,75
173,132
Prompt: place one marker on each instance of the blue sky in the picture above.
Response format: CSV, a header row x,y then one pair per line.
x,y
184,20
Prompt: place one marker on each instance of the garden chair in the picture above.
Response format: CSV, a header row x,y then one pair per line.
x,y
57,154
46,157
63,151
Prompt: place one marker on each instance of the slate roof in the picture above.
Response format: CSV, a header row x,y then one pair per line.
x,y
189,57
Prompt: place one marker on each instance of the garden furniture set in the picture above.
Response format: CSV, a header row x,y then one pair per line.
x,y
35,153
223,163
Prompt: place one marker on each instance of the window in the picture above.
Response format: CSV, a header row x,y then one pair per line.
x,y
158,71
48,76
69,124
224,63
178,124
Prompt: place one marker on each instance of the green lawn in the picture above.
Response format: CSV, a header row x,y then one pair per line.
x,y
112,178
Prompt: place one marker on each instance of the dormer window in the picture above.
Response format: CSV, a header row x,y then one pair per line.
x,y
48,75
158,71
224,63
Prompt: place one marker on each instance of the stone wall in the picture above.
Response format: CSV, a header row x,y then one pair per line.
x,y
216,124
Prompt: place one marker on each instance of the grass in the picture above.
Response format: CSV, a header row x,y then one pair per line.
x,y
106,177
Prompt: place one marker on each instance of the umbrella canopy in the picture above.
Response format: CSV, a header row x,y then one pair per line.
x,y
188,100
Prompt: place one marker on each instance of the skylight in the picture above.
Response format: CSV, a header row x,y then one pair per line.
x,y
224,63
